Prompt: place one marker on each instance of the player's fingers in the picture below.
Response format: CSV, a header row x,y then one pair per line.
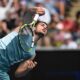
x,y
32,64
39,10
35,8
35,62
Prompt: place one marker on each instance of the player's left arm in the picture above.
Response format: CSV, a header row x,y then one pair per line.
x,y
25,67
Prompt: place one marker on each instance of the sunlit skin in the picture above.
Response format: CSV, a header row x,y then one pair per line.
x,y
4,2
41,28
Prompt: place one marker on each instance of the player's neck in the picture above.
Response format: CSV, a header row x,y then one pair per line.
x,y
36,38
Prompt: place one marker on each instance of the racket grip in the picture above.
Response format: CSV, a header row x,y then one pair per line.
x,y
36,17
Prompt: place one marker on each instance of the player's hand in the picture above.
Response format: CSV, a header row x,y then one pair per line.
x,y
25,67
39,10
31,64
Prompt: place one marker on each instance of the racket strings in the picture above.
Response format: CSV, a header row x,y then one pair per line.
x,y
23,28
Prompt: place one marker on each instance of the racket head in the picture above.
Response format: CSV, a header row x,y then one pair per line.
x,y
28,17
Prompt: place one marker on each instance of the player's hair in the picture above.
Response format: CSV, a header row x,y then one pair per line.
x,y
39,22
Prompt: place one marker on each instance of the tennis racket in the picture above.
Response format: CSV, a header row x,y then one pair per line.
x,y
24,31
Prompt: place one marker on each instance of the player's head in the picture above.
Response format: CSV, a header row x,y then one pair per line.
x,y
42,23
41,28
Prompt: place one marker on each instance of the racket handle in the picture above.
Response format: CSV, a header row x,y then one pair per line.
x,y
36,17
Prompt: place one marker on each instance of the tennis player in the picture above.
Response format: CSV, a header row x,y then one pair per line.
x,y
20,44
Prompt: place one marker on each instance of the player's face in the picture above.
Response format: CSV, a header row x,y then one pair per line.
x,y
41,28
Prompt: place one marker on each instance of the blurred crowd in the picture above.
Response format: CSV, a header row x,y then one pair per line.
x,y
63,30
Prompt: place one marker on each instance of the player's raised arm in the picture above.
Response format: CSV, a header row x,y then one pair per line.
x,y
38,10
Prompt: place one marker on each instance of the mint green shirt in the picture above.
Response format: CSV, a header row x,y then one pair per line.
x,y
12,52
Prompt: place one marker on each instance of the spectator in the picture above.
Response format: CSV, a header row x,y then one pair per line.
x,y
61,8
78,37
17,12
68,23
23,4
16,4
68,42
4,8
77,21
38,2
51,5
